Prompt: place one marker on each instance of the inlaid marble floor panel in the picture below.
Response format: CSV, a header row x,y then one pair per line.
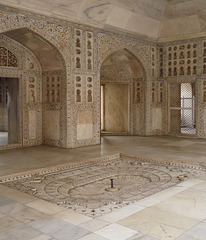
x,y
177,212
100,185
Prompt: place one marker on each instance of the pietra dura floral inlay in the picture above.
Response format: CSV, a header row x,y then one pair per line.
x,y
86,187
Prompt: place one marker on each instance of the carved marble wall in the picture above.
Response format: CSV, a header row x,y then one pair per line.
x,y
184,62
84,124
26,68
116,109
61,105
53,108
123,66
84,89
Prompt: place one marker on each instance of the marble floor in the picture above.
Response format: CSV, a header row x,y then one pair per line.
x,y
175,213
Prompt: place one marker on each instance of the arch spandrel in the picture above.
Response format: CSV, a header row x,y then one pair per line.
x,y
107,45
57,39
58,36
14,48
123,58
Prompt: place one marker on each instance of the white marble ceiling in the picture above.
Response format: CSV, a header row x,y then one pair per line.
x,y
150,18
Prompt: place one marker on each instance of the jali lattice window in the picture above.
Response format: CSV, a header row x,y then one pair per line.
x,y
7,58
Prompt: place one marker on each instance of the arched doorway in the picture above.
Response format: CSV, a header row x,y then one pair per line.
x,y
9,111
41,84
122,94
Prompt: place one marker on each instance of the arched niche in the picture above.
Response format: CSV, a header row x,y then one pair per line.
x,y
42,86
48,55
122,78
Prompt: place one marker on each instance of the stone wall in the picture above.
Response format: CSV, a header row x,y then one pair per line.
x,y
116,108
28,71
183,62
61,105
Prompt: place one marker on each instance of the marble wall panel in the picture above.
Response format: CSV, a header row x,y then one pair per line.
x,y
156,119
116,107
84,124
137,120
51,125
32,125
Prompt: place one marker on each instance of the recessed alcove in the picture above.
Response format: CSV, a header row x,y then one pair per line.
x,y
38,67
120,75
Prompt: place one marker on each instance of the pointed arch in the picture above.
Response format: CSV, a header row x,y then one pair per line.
x,y
122,79
130,58
50,43
132,51
48,55
56,35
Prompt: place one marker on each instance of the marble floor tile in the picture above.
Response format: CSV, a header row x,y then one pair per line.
x,y
191,183
42,237
191,207
119,214
194,192
29,215
46,207
13,208
164,217
5,201
16,195
151,227
202,177
160,196
187,236
23,232
93,236
94,224
141,236
184,149
72,217
59,229
198,232
201,186
183,143
116,232
22,212
8,222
